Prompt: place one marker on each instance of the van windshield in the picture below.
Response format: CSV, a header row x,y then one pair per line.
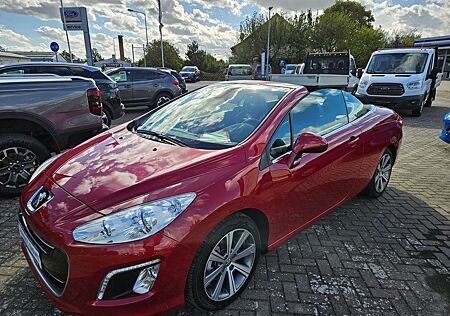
x,y
397,63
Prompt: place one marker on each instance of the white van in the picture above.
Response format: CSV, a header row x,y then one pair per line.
x,y
238,72
401,79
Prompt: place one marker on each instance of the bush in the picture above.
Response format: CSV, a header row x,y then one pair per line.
x,y
210,76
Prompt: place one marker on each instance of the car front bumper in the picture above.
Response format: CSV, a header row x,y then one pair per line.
x,y
88,265
397,103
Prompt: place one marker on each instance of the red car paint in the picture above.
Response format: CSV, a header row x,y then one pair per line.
x,y
119,169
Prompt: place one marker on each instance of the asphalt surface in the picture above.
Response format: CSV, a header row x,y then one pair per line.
x,y
385,256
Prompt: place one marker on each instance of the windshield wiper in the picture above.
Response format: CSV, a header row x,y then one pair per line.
x,y
163,137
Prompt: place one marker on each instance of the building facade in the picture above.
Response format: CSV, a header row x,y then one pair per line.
x,y
443,44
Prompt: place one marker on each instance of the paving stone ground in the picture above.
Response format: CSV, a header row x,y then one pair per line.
x,y
387,256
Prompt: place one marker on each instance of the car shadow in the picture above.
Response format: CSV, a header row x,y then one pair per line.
x,y
370,256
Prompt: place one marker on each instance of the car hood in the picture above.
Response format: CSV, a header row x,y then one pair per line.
x,y
121,165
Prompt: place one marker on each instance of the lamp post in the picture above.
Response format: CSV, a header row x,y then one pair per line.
x,y
160,32
268,48
146,31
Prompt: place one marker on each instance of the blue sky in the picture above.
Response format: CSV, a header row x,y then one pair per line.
x,y
32,25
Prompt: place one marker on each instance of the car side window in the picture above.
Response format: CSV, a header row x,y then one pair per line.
x,y
144,74
320,112
355,108
120,76
13,71
281,142
60,71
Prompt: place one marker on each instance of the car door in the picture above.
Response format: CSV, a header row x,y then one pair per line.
x,y
123,79
353,79
145,85
321,180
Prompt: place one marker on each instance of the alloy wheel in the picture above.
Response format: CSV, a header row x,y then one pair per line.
x,y
383,173
229,264
162,99
17,164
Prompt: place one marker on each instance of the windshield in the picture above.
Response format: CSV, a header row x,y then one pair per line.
x,y
240,71
336,65
215,117
397,63
188,69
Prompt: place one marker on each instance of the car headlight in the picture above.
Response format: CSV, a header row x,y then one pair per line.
x,y
43,166
362,84
134,223
414,85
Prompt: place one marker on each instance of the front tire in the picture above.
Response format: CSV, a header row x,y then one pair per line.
x,y
430,99
20,155
382,175
224,263
418,112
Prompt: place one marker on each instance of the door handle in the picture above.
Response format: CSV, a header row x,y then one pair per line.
x,y
156,85
353,141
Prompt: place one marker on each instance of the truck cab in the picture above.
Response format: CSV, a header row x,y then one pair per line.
x,y
402,79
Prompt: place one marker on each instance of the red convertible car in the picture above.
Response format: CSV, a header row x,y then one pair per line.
x,y
176,206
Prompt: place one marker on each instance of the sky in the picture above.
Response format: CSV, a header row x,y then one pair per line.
x,y
214,24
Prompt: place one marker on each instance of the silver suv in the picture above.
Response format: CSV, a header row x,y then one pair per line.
x,y
145,86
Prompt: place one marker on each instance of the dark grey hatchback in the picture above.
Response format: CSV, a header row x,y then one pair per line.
x,y
145,86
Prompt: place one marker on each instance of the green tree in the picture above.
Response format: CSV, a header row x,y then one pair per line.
x,y
65,54
354,11
397,38
172,57
96,55
364,42
196,56
333,32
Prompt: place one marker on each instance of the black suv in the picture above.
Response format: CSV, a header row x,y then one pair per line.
x,y
112,104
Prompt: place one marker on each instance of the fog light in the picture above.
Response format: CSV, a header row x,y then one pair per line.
x,y
146,279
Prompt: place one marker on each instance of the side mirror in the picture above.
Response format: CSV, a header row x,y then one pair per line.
x,y
307,143
359,73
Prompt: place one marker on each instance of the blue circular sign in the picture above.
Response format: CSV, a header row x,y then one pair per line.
x,y
282,63
54,47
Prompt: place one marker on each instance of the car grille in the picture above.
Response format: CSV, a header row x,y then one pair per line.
x,y
386,89
54,261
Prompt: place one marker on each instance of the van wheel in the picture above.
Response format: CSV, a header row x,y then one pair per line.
x,y
162,98
418,112
20,155
224,264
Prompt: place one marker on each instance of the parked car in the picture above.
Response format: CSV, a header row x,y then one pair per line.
x,y
445,135
257,72
39,116
189,195
404,79
112,105
324,70
145,86
181,81
238,72
289,69
190,73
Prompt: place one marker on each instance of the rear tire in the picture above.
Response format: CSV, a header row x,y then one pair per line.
x,y
382,175
108,117
161,98
20,155
218,273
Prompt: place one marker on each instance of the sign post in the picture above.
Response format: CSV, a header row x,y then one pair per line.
x,y
55,48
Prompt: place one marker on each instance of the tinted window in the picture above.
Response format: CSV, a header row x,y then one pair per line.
x,y
144,74
324,64
240,71
79,71
216,116
320,112
13,71
120,76
60,71
355,107
281,142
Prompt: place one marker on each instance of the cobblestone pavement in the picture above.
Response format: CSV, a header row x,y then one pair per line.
x,y
388,256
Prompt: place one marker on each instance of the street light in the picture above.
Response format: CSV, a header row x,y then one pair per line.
x,y
268,47
146,32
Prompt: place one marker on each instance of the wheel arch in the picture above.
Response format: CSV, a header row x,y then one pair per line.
x,y
30,125
261,222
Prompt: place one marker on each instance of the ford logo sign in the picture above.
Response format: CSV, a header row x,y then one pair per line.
x,y
71,13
